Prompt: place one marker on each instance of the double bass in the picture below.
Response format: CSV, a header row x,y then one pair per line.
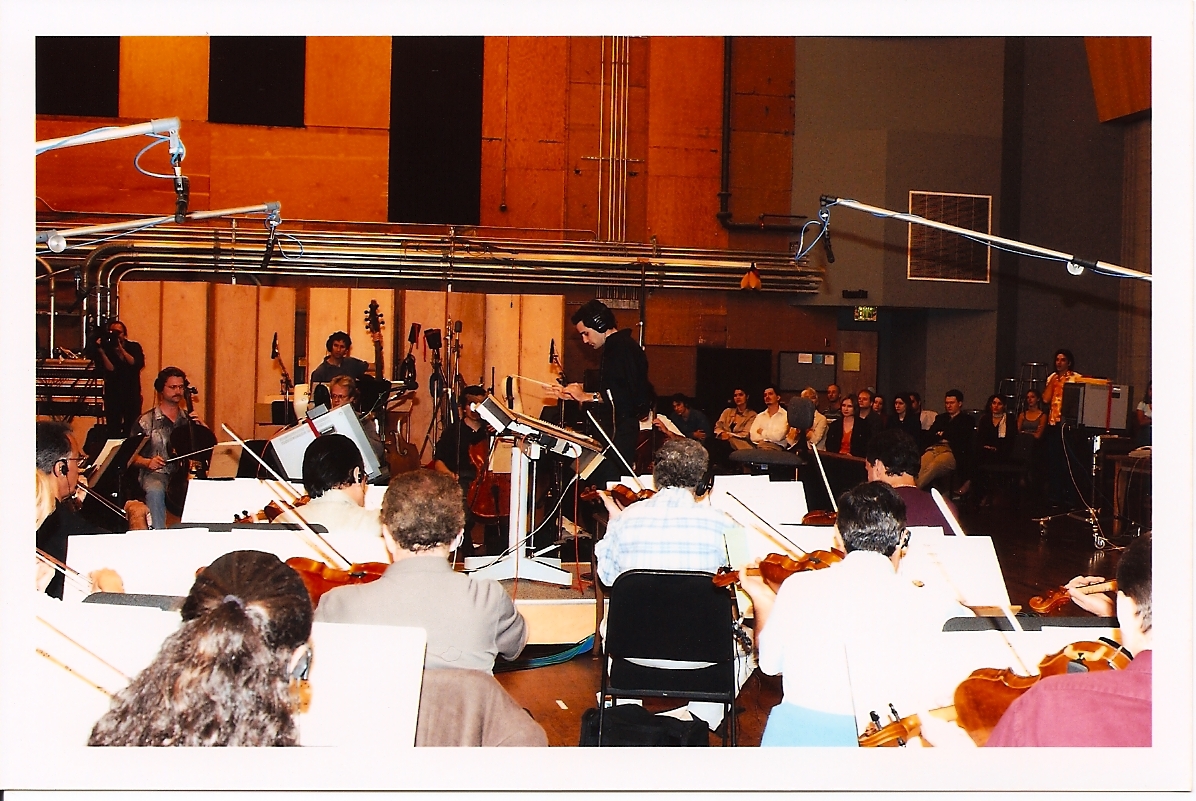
x,y
401,456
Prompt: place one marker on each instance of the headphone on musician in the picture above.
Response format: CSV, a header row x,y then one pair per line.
x,y
596,315
338,336
474,391
166,374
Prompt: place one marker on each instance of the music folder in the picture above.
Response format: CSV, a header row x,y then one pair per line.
x,y
561,441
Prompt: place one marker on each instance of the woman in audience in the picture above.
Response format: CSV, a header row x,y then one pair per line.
x,y
224,677
995,433
903,417
847,434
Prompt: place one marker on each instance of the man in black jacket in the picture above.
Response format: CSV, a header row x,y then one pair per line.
x,y
951,446
622,383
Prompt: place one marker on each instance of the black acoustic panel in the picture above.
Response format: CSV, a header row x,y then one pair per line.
x,y
436,129
721,370
257,80
77,76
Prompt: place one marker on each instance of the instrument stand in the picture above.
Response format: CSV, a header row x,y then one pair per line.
x,y
519,561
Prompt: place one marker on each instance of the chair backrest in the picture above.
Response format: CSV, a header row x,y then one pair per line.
x,y
664,614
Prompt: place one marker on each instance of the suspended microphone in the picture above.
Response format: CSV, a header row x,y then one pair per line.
x,y
826,244
552,351
182,196
274,347
272,226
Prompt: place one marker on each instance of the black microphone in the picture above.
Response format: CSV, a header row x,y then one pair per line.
x,y
182,197
270,240
826,242
552,351
457,327
274,347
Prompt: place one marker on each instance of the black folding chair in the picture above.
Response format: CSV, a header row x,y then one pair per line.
x,y
661,614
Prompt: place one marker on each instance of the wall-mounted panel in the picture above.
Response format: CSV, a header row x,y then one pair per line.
x,y
348,82
141,311
236,357
183,337
150,70
275,315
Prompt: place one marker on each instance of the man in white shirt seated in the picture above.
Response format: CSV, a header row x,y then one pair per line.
x,y
803,631
771,427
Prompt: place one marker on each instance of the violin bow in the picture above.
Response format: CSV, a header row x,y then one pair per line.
x,y
825,481
80,581
291,487
609,442
84,649
946,510
765,522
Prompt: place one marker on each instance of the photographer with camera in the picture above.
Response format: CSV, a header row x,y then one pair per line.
x,y
121,360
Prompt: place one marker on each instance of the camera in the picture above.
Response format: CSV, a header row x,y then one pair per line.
x,y
111,337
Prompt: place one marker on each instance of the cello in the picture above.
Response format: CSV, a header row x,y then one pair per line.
x,y
193,443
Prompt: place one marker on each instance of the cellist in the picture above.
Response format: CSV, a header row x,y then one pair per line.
x,y
158,424
452,453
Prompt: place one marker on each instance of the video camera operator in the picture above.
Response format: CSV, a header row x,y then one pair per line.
x,y
121,360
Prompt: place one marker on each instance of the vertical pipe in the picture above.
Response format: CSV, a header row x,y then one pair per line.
x,y
53,303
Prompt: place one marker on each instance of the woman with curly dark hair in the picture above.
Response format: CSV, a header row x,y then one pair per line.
x,y
224,677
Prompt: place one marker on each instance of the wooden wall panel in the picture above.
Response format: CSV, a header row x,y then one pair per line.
x,y
327,311
183,337
672,368
1120,70
164,76
541,326
275,314
236,357
470,309
140,307
316,173
684,139
865,344
347,82
503,343
686,318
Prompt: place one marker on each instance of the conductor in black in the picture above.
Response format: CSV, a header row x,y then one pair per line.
x,y
622,379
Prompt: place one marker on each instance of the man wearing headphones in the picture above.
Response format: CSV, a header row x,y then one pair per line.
x,y
334,478
622,382
158,424
58,457
338,361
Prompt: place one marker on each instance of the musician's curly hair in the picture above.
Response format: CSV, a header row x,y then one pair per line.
x,y
423,509
679,463
221,679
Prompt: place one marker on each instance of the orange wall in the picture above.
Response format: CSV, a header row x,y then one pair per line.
x,y
1120,70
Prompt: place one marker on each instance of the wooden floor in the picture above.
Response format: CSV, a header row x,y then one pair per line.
x,y
557,696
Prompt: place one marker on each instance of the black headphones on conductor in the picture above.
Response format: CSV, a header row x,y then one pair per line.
x,y
597,316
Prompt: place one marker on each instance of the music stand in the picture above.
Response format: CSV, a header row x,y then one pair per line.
x,y
111,466
532,437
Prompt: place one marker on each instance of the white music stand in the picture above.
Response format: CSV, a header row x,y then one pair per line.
x,y
532,438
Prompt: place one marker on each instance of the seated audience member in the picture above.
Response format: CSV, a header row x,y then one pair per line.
x,y
334,477
692,423
469,621
1032,419
804,630
816,434
926,416
950,452
878,409
1102,708
893,459
995,433
903,418
734,425
833,397
864,413
848,435
771,427
671,531
224,677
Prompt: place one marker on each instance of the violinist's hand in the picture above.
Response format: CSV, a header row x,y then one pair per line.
x,y
612,508
1098,603
941,733
154,463
106,580
138,515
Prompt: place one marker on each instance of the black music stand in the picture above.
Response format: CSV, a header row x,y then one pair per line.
x,y
109,480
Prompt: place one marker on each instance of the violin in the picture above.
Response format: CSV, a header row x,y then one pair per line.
x,y
982,698
623,495
776,567
820,517
319,578
489,496
1059,597
900,730
270,512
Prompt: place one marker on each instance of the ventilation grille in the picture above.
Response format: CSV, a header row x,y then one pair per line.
x,y
936,255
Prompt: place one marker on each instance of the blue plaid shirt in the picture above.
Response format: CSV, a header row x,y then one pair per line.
x,y
670,531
